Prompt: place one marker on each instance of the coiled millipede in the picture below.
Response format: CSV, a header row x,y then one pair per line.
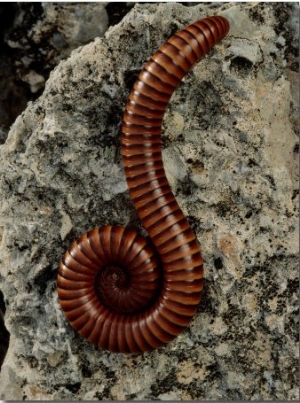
x,y
115,289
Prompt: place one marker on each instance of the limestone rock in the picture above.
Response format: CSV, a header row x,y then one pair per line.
x,y
232,125
36,36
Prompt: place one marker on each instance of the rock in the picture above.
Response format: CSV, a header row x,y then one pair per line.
x,y
35,81
237,149
36,36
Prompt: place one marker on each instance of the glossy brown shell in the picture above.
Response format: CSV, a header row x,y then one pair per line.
x,y
115,289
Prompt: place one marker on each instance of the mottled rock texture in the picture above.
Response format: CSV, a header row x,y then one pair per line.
x,y
231,153
34,37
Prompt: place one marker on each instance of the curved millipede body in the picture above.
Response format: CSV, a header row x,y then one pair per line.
x,y
115,289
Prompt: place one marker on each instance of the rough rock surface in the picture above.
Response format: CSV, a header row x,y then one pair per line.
x,y
34,37
230,151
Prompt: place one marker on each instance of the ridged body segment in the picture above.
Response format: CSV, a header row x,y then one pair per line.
x,y
112,286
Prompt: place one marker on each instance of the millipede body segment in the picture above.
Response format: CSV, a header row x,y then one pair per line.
x,y
116,290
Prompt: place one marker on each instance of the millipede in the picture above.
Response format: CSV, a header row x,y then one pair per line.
x,y
119,291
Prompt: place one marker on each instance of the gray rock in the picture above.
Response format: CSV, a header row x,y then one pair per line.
x,y
236,148
36,37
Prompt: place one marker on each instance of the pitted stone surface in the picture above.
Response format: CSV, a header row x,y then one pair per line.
x,y
231,154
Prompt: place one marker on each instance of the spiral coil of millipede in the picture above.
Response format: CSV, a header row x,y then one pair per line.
x,y
112,287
